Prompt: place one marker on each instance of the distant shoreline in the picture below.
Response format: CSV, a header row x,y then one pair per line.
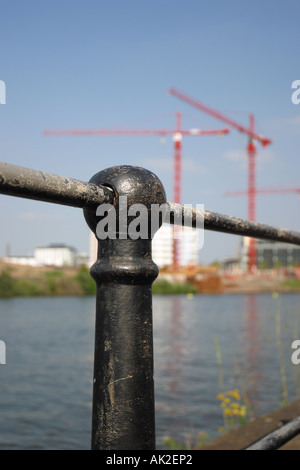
x,y
28,281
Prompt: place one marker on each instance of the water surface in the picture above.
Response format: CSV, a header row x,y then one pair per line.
x,y
46,384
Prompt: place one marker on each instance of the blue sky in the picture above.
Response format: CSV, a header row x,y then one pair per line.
x,y
92,64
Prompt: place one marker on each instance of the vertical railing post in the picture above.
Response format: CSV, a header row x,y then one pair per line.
x,y
123,390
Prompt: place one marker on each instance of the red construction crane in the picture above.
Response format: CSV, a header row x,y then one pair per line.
x,y
177,134
251,150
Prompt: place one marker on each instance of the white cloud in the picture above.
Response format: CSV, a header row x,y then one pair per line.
x,y
193,166
264,156
236,155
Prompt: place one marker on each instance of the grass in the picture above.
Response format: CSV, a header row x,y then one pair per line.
x,y
164,287
293,284
60,282
191,443
50,283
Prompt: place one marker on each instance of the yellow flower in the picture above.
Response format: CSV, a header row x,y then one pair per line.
x,y
221,396
236,412
243,411
234,405
235,394
227,400
227,412
221,430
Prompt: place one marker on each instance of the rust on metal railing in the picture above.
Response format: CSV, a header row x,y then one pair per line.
x,y
39,185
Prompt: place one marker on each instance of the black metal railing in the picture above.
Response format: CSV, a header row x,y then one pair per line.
x,y
123,388
279,437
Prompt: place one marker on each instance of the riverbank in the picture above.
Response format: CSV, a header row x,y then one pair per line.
x,y
243,437
29,281
260,284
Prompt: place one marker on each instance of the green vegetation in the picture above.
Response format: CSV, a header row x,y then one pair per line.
x,y
164,287
60,282
191,443
293,284
234,409
264,265
6,285
216,264
284,387
87,283
49,283
29,288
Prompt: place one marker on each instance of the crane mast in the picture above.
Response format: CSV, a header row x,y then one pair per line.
x,y
251,151
177,135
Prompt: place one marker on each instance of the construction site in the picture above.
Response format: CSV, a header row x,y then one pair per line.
x,y
259,266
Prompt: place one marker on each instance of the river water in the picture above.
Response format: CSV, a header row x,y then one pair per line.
x,y
46,383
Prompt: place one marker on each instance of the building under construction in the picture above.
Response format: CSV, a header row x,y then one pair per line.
x,y
271,254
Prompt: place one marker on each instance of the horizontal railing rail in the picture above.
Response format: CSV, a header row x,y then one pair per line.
x,y
232,225
279,437
123,386
39,185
